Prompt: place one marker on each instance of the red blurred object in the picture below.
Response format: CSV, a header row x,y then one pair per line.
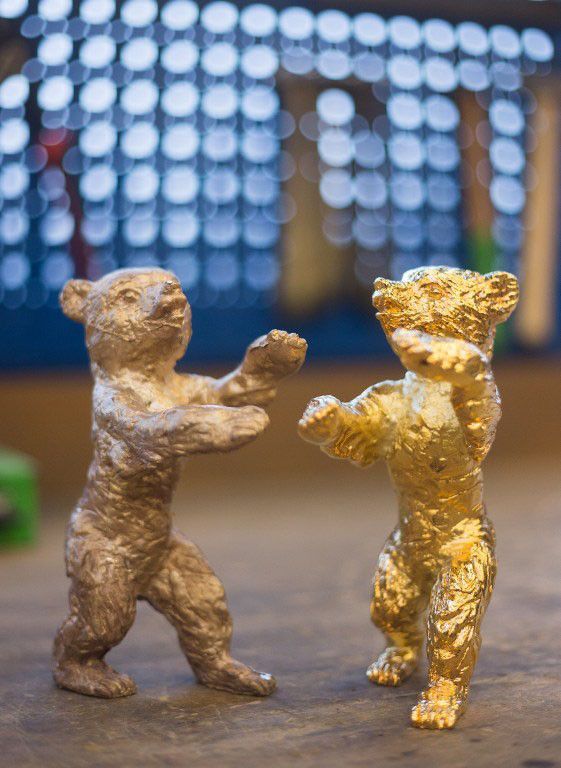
x,y
57,142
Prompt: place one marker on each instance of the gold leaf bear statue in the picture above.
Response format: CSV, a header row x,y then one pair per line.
x,y
121,546
434,428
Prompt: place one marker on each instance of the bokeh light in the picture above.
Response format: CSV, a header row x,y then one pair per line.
x,y
161,139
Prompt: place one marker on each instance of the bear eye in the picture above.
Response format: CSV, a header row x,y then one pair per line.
x,y
435,291
129,296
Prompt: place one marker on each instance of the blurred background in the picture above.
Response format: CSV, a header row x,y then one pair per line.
x,y
277,158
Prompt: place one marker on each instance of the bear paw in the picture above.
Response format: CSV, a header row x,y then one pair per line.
x,y
321,421
236,677
393,666
93,678
439,706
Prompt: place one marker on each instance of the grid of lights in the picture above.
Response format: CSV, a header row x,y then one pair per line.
x,y
395,183
162,131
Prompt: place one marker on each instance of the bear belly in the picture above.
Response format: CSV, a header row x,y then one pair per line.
x,y
437,483
131,509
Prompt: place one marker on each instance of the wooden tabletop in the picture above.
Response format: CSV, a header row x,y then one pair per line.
x,y
296,552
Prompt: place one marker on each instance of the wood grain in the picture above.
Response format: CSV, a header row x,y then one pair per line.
x,y
300,606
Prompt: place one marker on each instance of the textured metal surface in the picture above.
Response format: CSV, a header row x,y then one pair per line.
x,y
121,546
299,607
433,428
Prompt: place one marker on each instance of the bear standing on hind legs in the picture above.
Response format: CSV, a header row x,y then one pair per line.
x,y
433,428
120,545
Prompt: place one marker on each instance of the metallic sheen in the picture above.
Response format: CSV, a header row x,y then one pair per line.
x,y
434,428
121,546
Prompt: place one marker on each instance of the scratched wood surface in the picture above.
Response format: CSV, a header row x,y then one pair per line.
x,y
296,553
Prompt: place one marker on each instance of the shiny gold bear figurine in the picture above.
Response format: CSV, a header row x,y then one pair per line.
x,y
121,546
434,428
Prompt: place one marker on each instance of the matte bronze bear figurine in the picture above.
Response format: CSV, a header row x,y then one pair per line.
x,y
434,428
121,546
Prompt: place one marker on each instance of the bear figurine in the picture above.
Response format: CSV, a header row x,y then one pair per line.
x,y
434,428
121,546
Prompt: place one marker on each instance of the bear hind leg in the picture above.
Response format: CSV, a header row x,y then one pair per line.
x,y
458,603
102,610
188,593
399,598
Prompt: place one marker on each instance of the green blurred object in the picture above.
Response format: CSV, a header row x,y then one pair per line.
x,y
481,250
18,499
483,257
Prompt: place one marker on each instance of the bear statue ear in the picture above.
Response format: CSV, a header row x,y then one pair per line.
x,y
72,299
501,291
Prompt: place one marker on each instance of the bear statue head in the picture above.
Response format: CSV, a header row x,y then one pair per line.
x,y
445,301
134,318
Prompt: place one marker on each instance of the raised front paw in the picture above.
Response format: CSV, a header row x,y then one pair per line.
x,y
439,358
321,420
413,349
210,428
279,353
439,706
246,424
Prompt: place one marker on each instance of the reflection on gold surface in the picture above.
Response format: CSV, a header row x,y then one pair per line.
x,y
434,428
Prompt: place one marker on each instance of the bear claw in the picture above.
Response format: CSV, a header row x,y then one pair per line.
x,y
439,706
393,666
235,677
93,678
